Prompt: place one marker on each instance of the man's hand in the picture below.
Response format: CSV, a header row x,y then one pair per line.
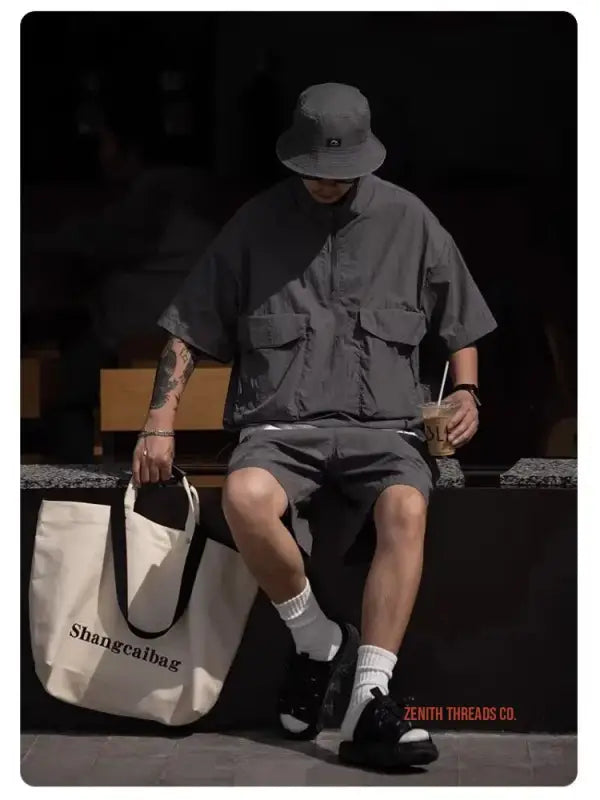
x,y
153,459
463,425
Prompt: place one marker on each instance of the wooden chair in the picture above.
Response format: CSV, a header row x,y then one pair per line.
x,y
31,388
125,397
38,389
38,377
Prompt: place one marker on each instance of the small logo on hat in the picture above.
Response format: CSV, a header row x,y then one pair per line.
x,y
334,142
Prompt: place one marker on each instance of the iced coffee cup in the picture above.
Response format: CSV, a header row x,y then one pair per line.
x,y
435,422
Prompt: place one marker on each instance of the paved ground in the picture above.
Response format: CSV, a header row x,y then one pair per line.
x,y
261,759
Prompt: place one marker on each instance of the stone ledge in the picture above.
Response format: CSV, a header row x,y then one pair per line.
x,y
74,476
528,473
451,474
111,476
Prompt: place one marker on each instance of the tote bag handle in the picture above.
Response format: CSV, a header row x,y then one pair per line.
x,y
190,568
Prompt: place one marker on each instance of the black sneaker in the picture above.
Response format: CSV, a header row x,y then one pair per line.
x,y
383,739
312,690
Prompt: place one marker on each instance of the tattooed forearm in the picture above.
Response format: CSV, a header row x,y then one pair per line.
x,y
164,383
176,364
190,358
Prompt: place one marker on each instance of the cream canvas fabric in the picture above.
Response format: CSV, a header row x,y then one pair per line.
x,y
88,654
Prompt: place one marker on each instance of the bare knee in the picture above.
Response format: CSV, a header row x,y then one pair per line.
x,y
252,493
400,516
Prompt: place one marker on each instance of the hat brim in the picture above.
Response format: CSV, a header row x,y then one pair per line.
x,y
344,163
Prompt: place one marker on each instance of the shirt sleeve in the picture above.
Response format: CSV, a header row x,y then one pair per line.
x,y
205,311
454,306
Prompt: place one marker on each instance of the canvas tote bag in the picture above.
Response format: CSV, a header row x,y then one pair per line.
x,y
156,641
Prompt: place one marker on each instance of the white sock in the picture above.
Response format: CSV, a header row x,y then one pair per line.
x,y
373,668
312,631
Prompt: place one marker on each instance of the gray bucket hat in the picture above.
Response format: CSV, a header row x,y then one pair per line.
x,y
331,134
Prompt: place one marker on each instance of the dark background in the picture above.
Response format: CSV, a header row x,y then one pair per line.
x,y
477,111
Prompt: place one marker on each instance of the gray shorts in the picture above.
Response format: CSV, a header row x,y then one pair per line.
x,y
359,461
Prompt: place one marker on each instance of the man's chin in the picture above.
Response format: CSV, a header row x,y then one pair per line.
x,y
326,200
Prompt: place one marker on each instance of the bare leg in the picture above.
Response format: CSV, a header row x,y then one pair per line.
x,y
253,504
400,515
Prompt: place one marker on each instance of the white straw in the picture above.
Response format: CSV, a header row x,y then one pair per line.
x,y
443,383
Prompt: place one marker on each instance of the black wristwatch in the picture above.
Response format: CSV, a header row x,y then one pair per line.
x,y
469,387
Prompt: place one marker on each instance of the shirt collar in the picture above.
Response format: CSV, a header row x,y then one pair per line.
x,y
353,205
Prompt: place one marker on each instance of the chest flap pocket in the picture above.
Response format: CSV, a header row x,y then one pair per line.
x,y
396,325
389,373
271,330
272,354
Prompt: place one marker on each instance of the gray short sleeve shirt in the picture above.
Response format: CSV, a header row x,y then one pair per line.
x,y
320,309
204,312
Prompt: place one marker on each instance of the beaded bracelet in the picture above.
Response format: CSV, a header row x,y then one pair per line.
x,y
145,434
